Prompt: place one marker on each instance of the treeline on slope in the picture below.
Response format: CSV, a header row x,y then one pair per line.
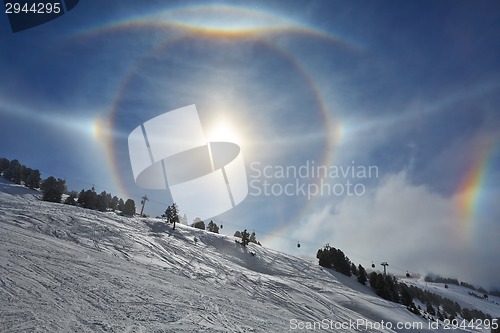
x,y
53,189
172,216
102,202
200,224
19,173
245,236
331,257
447,281
387,287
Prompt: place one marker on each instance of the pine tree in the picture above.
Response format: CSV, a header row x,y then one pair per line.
x,y
373,280
245,237
354,269
25,172
33,179
237,234
392,288
114,203
381,287
81,197
129,207
4,164
107,199
340,262
362,277
172,214
71,199
325,259
253,238
212,227
198,224
88,199
14,171
168,213
53,189
406,298
101,204
121,205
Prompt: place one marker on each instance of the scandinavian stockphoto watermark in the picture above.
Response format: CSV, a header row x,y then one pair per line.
x,y
310,179
171,152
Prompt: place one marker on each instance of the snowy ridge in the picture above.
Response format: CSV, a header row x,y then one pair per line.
x,y
69,269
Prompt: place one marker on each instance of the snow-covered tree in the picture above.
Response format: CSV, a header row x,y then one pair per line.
x,y
198,224
71,199
253,238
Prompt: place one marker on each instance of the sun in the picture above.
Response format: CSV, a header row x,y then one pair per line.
x,y
223,130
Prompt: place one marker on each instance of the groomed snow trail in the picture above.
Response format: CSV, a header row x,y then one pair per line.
x,y
68,269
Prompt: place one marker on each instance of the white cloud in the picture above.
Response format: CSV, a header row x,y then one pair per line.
x,y
410,226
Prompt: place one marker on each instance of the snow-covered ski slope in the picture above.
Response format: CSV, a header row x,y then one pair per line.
x,y
460,295
69,269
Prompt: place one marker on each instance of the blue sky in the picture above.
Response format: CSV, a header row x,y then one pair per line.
x,y
410,88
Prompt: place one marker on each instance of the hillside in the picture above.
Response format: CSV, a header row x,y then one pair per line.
x,y
458,294
68,269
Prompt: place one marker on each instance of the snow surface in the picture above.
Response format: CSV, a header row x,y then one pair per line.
x,y
69,269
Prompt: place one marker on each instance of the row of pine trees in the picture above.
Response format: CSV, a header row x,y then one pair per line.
x,y
388,287
20,174
53,189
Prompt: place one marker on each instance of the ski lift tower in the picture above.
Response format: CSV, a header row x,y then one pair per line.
x,y
385,264
143,202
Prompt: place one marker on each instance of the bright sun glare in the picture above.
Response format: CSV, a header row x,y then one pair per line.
x,y
98,128
223,131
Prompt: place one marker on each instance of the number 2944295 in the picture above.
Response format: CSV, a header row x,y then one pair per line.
x,y
33,8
